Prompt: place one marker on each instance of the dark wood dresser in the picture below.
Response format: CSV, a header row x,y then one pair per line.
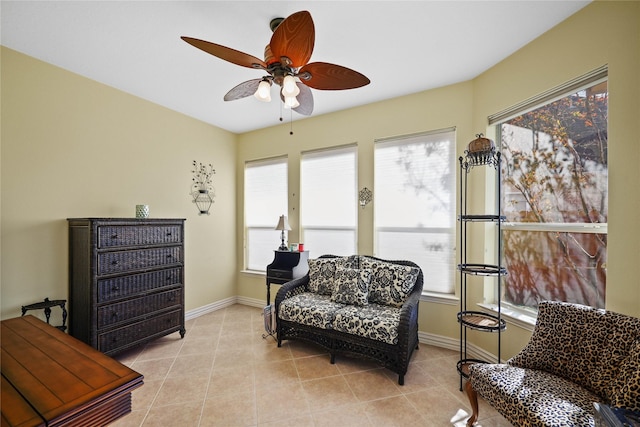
x,y
126,281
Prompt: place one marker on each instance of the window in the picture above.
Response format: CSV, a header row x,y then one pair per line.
x,y
555,196
414,204
328,201
265,199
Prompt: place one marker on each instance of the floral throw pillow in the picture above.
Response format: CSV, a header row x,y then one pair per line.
x,y
351,286
390,283
321,275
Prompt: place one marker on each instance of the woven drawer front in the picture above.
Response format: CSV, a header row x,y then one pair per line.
x,y
120,287
119,262
118,312
129,334
112,236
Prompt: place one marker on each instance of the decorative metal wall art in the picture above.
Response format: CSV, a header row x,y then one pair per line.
x,y
202,190
365,197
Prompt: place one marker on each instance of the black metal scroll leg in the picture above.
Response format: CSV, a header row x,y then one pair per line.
x,y
47,313
64,315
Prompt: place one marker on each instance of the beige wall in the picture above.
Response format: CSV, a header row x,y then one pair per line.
x,y
72,147
603,32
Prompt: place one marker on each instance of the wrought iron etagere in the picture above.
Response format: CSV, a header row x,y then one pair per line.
x,y
471,319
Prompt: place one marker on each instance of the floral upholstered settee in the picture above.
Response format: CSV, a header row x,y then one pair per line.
x,y
355,305
576,356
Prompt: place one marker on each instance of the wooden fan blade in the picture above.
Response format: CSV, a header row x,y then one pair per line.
x,y
305,98
243,90
226,53
294,38
325,76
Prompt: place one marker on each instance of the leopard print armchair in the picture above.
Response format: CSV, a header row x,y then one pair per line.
x,y
577,355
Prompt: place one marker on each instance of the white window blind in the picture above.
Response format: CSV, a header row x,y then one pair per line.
x,y
414,204
265,199
328,201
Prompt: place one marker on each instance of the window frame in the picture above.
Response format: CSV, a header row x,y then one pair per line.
x,y
522,315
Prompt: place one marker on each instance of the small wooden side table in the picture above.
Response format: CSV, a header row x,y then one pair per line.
x,y
46,305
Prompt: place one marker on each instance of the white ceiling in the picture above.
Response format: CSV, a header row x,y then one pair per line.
x,y
402,46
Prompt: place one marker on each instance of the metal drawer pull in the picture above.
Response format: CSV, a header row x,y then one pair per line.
x,y
114,236
114,262
115,288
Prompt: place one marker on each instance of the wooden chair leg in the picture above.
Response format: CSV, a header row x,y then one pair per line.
x,y
473,400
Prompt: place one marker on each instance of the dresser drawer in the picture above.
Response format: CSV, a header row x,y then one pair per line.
x,y
112,341
113,236
120,287
123,261
118,312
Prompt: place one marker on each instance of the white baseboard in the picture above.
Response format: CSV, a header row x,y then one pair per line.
x,y
438,341
473,351
252,302
210,308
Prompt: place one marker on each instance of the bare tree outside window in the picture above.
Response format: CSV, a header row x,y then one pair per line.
x,y
555,200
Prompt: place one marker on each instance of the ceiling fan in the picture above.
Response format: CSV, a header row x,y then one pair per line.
x,y
286,60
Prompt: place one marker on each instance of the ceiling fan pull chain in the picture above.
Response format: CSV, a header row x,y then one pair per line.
x,y
291,122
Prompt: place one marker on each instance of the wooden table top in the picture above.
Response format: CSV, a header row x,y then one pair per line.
x,y
50,378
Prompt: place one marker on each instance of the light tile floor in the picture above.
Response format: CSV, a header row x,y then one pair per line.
x,y
223,373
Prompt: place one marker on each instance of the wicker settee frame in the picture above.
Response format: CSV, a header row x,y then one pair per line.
x,y
394,357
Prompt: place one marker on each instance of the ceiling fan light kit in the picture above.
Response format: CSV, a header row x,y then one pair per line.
x,y
263,93
287,63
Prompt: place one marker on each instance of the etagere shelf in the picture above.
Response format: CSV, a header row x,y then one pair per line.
x,y
480,153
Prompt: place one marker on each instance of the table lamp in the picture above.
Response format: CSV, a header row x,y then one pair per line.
x,y
283,224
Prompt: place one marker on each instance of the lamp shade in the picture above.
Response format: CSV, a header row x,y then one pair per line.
x,y
291,102
283,224
289,86
263,93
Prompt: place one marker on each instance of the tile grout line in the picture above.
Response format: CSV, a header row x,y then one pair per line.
x,y
150,407
213,361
